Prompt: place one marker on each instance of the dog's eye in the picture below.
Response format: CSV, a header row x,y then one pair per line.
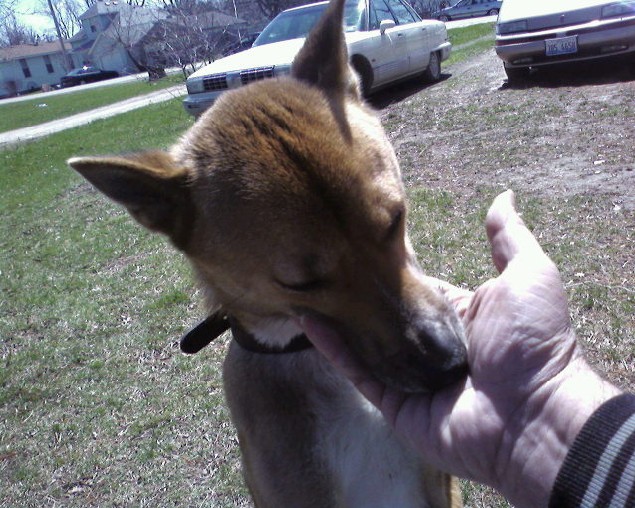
x,y
303,287
395,225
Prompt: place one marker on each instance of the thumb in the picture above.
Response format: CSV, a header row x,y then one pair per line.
x,y
508,235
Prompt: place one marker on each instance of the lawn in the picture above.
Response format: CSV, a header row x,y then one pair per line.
x,y
44,109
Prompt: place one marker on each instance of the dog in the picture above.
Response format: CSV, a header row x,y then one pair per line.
x,y
286,197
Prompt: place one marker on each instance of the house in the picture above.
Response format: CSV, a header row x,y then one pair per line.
x,y
121,37
129,38
28,67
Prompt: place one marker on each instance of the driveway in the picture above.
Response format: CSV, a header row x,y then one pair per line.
x,y
25,134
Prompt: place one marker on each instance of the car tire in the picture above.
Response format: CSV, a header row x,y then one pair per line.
x,y
365,72
433,71
492,12
444,18
516,74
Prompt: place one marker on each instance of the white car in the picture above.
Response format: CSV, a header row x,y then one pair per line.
x,y
386,39
546,32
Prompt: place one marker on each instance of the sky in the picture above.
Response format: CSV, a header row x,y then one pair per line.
x,y
39,23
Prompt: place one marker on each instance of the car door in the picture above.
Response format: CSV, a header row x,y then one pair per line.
x,y
390,49
463,9
418,40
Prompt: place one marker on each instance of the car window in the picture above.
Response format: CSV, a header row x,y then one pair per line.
x,y
297,23
379,11
401,12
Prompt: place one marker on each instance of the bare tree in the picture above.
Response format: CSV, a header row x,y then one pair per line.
x,y
186,39
271,8
127,31
13,32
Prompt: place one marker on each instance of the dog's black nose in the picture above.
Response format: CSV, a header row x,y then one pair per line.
x,y
443,346
444,353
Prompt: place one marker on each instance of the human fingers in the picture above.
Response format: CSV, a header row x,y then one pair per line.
x,y
459,298
508,234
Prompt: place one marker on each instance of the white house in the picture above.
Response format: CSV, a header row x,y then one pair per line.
x,y
119,37
28,67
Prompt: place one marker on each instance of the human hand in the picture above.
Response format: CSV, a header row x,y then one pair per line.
x,y
529,391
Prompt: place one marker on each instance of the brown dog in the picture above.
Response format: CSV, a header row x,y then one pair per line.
x,y
286,198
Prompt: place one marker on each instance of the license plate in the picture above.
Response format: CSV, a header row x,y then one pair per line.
x,y
561,46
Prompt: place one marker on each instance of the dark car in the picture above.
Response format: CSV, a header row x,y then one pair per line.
x,y
469,9
86,74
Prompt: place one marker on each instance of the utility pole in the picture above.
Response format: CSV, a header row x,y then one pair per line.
x,y
68,62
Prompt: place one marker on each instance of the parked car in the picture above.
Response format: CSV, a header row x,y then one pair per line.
x,y
241,45
86,74
386,39
547,32
468,9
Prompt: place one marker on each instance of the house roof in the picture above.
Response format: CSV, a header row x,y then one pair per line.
x,y
104,7
29,50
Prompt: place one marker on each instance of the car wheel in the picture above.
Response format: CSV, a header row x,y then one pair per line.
x,y
433,71
516,74
365,73
492,12
444,18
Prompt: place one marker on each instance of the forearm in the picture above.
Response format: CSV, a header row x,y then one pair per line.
x,y
544,444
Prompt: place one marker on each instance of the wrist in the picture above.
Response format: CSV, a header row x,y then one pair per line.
x,y
564,405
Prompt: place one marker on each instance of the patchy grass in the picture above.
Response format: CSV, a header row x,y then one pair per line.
x,y
44,109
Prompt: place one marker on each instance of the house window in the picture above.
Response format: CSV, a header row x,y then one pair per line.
x,y
49,64
25,68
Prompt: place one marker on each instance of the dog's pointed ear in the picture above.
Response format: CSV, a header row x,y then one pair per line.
x,y
150,185
323,60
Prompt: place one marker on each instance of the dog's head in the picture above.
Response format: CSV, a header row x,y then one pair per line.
x,y
286,197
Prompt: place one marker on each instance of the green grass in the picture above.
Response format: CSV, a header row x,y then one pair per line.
x,y
470,41
44,109
470,34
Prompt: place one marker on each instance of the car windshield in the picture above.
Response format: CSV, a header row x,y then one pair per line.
x,y
297,23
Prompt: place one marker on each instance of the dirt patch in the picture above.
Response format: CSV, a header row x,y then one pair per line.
x,y
566,133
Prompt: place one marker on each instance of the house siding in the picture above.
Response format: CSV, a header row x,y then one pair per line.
x,y
13,80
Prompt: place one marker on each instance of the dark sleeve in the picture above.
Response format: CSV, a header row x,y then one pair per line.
x,y
599,470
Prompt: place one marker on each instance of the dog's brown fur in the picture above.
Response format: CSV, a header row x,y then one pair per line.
x,y
286,197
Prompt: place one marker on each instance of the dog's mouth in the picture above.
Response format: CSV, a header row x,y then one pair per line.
x,y
423,359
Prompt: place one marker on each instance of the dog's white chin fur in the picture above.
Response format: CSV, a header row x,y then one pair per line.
x,y
275,332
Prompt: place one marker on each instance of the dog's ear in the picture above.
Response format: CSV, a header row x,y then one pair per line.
x,y
149,184
323,60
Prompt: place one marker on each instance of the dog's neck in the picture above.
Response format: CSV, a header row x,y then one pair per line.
x,y
216,324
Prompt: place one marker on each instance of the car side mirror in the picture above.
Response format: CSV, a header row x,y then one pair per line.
x,y
386,24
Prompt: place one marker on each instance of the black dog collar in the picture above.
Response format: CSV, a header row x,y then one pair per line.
x,y
214,325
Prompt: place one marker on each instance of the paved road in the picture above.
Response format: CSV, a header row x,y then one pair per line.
x,y
18,136
471,21
142,76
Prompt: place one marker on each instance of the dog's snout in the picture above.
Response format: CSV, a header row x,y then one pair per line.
x,y
444,353
443,343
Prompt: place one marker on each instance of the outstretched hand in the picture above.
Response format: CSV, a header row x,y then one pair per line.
x,y
529,392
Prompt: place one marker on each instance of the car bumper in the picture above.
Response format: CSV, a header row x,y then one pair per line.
x,y
529,50
196,104
444,50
